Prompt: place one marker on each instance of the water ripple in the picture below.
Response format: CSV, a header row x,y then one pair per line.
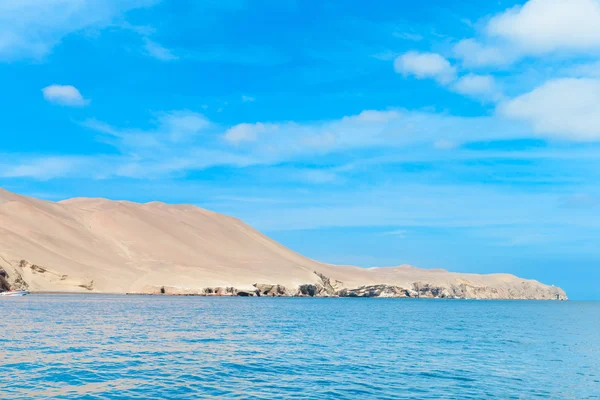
x,y
97,347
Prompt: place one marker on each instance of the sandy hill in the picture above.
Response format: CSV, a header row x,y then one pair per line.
x,y
99,245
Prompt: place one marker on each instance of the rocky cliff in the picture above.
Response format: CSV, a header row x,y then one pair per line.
x,y
528,291
104,246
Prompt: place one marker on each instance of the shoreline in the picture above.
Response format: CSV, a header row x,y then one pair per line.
x,y
282,297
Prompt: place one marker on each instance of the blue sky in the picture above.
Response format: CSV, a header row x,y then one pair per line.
x,y
462,135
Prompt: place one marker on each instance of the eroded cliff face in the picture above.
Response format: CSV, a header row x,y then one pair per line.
x,y
24,275
11,279
417,290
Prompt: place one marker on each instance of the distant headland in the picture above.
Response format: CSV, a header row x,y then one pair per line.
x,y
89,245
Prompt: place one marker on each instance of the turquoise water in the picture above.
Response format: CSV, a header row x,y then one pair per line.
x,y
67,346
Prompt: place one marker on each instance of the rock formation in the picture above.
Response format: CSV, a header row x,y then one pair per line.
x,y
4,285
104,246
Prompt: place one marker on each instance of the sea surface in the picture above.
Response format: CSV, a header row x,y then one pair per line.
x,y
102,347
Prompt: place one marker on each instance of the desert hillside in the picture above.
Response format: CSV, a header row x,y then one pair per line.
x,y
99,245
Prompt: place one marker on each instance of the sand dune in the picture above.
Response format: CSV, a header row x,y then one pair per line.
x,y
99,245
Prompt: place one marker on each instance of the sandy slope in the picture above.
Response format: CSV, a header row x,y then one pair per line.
x,y
119,246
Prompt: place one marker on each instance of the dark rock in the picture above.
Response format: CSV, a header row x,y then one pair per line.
x,y
309,289
14,281
246,293
4,285
37,268
88,286
271,290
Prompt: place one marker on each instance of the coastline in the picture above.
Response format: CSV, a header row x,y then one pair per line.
x,y
79,293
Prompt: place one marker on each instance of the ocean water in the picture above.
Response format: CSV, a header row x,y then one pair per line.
x,y
102,347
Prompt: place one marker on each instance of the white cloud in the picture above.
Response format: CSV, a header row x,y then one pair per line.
x,y
248,132
474,54
431,65
157,51
65,95
481,86
247,99
543,26
567,108
424,66
31,28
537,28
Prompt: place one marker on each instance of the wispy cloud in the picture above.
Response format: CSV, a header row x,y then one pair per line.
x,y
182,141
46,167
472,206
368,129
179,142
31,28
171,128
408,36
157,51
